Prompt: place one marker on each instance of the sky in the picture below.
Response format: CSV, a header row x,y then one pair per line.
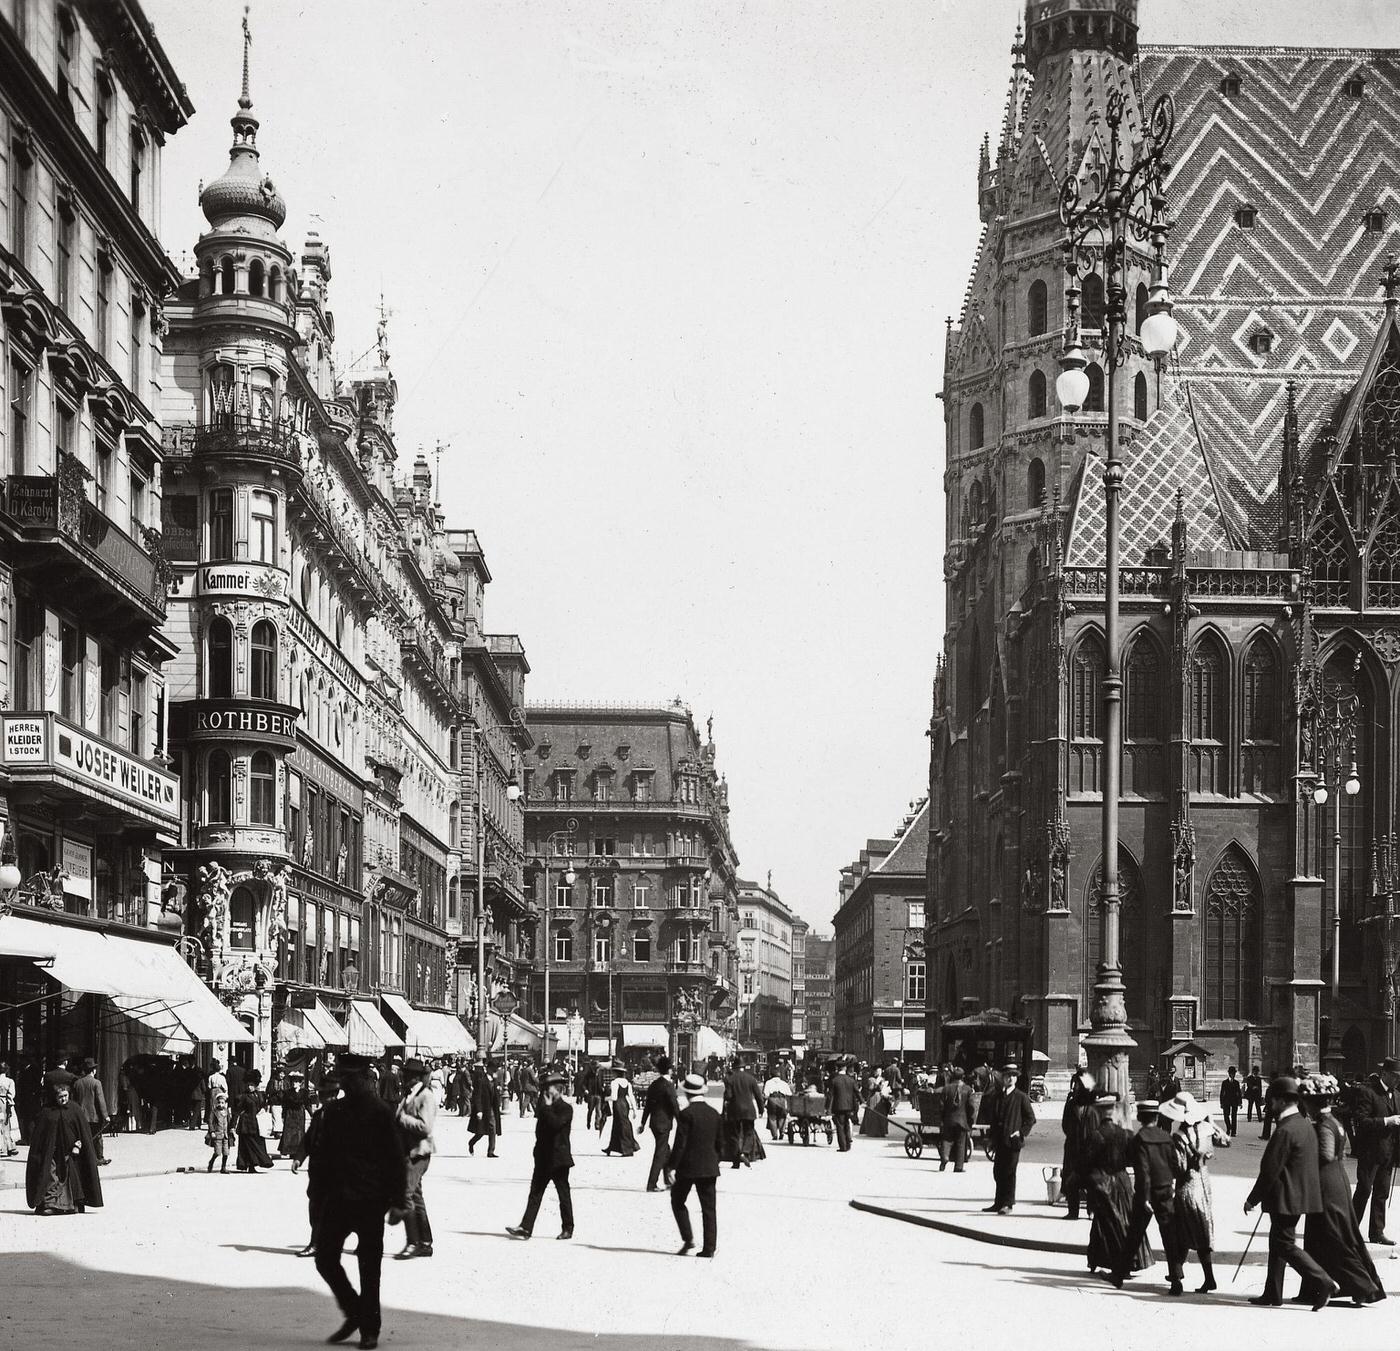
x,y
668,279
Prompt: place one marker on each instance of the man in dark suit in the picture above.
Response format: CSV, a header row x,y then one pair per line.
x,y
956,1102
842,1101
660,1108
1253,1095
1376,1117
553,1158
92,1102
360,1161
695,1162
1013,1119
1231,1096
1288,1187
743,1105
1152,1156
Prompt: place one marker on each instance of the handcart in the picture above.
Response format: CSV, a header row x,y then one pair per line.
x,y
807,1116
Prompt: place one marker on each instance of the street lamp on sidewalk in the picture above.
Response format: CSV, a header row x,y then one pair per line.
x,y
551,844
1130,196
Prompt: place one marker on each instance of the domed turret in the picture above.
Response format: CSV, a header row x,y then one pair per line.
x,y
244,196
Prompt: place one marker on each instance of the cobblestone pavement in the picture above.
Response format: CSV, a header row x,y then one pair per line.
x,y
192,1261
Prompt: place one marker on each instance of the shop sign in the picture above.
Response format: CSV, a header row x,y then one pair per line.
x,y
242,579
236,718
26,741
77,868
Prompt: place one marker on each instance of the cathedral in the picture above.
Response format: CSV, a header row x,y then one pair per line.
x,y
1260,566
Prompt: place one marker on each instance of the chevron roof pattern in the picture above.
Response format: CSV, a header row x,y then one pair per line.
x,y
1312,158
1166,457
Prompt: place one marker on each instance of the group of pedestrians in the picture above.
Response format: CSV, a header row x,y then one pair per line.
x,y
1161,1174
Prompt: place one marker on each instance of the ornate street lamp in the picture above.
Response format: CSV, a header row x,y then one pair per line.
x,y
1129,198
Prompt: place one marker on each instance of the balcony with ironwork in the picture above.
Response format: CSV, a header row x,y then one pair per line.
x,y
72,548
323,526
235,437
423,654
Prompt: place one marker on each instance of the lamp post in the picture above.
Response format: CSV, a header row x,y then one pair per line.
x,y
1130,197
478,731
1335,707
550,844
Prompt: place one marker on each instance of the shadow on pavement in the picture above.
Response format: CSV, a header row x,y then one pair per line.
x,y
55,1296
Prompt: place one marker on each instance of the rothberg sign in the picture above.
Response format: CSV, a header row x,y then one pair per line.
x,y
243,720
46,746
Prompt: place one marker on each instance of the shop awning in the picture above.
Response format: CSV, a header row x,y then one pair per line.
x,y
599,1046
913,1039
369,1034
19,941
326,1025
523,1034
651,1036
708,1042
149,982
294,1035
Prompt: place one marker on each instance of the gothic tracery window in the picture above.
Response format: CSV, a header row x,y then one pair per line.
x,y
1383,564
1233,948
1331,560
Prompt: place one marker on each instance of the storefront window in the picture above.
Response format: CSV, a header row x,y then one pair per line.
x,y
242,917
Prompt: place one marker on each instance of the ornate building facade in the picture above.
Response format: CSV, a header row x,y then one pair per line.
x,y
642,943
313,698
766,940
1255,524
90,808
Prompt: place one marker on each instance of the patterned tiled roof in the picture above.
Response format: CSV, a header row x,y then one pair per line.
x,y
1167,456
1312,160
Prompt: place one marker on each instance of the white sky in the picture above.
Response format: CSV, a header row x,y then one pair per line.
x,y
670,277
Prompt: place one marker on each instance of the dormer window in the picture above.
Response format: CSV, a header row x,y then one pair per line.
x,y
563,785
1261,343
545,748
585,749
1244,217
1355,87
1375,222
602,786
1230,86
642,785
624,750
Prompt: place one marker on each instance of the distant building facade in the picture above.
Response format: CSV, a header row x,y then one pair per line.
x,y
642,946
800,929
881,915
765,968
821,993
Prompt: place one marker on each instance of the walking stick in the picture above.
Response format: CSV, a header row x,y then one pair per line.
x,y
1247,1246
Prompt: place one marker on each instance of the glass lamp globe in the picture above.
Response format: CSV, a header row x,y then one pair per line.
x,y
1320,794
570,877
1072,383
1159,332
512,792
9,877
1353,784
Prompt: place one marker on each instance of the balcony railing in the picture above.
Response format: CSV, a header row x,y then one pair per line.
x,y
235,436
56,507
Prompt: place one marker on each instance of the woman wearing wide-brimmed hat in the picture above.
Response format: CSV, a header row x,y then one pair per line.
x,y
1193,1137
1102,1158
622,1140
1332,1237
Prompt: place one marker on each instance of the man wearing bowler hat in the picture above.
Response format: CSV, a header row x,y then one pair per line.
x,y
1013,1119
1288,1187
553,1158
695,1163
360,1159
87,1093
417,1114
1376,1121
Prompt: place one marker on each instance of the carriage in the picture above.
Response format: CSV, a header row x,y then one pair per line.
x,y
807,1116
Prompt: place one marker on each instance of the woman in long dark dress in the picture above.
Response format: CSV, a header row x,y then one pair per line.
x,y
252,1153
1332,1237
296,1098
60,1175
622,1140
1108,1185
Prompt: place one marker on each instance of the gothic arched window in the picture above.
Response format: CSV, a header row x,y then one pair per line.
x,y
1037,397
1260,758
1383,564
1134,943
1146,697
220,649
976,427
256,273
1234,946
1037,308
1140,307
1207,675
1091,306
1331,558
1086,689
1140,397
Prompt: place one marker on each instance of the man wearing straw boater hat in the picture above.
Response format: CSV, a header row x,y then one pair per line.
x,y
695,1164
1289,1186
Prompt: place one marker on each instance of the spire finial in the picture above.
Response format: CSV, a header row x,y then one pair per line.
x,y
1390,279
244,101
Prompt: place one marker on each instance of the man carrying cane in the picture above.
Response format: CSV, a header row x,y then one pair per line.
x,y
1288,1187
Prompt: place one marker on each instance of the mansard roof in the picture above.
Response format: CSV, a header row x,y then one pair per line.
x,y
1165,457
